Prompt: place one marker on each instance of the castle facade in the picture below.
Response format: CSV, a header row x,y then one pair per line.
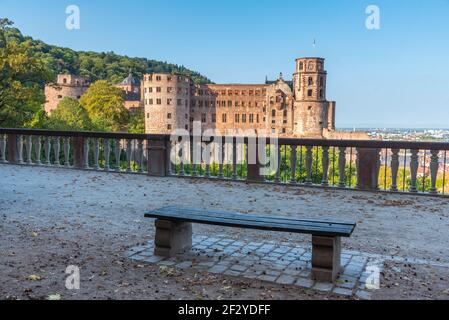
x,y
296,108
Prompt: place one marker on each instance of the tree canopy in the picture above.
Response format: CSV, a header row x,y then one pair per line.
x,y
69,115
105,105
21,80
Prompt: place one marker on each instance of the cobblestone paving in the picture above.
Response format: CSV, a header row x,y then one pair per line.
x,y
270,261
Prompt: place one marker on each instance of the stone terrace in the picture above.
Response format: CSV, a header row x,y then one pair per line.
x,y
109,208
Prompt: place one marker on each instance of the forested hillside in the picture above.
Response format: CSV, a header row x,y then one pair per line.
x,y
97,66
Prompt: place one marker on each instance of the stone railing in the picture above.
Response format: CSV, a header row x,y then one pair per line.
x,y
393,166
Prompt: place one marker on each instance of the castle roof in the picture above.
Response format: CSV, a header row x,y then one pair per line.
x,y
129,80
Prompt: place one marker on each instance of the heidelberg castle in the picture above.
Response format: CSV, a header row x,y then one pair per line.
x,y
296,108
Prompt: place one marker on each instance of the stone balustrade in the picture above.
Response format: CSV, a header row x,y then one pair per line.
x,y
393,166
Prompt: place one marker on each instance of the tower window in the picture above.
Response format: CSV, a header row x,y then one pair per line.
x,y
223,118
273,113
203,117
309,93
309,108
237,118
168,115
321,93
310,81
214,117
301,65
168,126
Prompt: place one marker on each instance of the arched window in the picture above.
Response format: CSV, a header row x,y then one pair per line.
x,y
273,113
301,65
310,81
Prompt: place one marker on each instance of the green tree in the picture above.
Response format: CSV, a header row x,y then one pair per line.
x,y
137,122
105,106
69,115
22,77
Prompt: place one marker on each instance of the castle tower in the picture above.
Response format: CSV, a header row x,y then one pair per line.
x,y
67,85
167,102
313,114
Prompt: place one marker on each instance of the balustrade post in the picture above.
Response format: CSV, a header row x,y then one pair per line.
x,y
117,153
253,161
47,149
38,150
57,149
13,154
293,164
140,155
158,157
96,154
434,164
128,155
2,148
277,177
414,164
368,166
325,165
234,159
20,149
342,167
394,169
221,154
29,148
86,153
107,154
67,152
309,160
78,152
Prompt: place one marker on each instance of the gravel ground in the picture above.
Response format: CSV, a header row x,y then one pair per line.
x,y
52,218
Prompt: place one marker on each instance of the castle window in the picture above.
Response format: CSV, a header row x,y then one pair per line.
x,y
203,117
321,93
251,92
309,108
310,81
158,89
237,104
273,113
150,78
148,115
251,118
150,89
236,92
158,78
230,92
59,97
243,103
301,65
283,130
200,103
158,101
169,101
168,115
237,118
285,121
168,126
229,103
244,118
169,89
309,93
257,92
285,113
150,102
321,81
169,78
187,127
186,116
257,118
243,92
179,102
223,118
64,80
273,121
214,117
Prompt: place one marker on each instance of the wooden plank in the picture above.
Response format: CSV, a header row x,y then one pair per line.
x,y
251,225
255,217
254,224
327,225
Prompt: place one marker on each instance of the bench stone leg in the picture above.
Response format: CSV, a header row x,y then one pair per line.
x,y
326,253
172,237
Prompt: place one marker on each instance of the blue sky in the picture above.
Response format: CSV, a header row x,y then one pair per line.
x,y
397,76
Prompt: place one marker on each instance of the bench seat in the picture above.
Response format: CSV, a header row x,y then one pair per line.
x,y
174,233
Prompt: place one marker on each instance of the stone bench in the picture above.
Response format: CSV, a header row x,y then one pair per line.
x,y
174,233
